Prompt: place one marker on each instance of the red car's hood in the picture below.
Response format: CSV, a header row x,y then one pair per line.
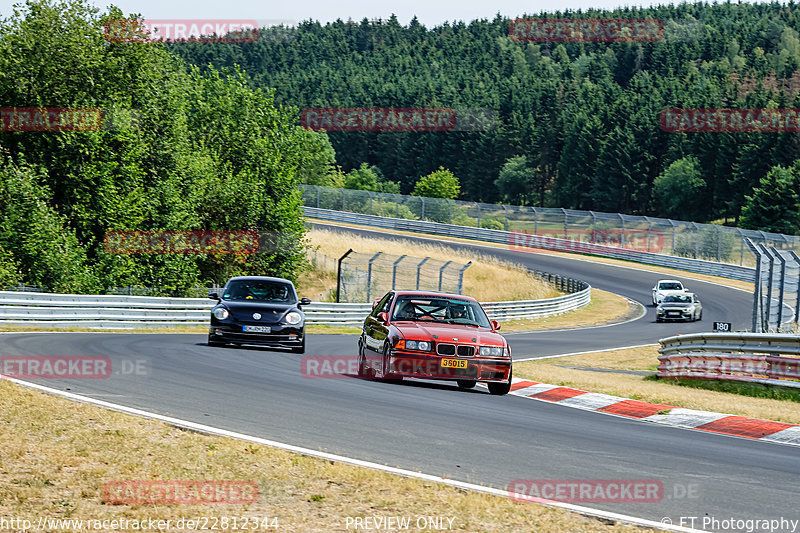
x,y
447,332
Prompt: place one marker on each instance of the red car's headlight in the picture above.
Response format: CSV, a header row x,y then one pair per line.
x,y
423,346
494,351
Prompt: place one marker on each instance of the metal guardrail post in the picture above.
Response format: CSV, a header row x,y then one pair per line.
x,y
719,243
394,270
768,309
566,222
461,278
369,274
741,247
783,284
370,202
756,288
797,299
535,220
594,227
422,217
673,236
339,273
450,203
505,212
317,187
419,267
622,237
479,213
441,273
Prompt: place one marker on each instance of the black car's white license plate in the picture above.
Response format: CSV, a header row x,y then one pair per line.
x,y
257,329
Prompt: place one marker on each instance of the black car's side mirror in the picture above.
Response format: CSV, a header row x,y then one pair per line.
x,y
213,295
304,301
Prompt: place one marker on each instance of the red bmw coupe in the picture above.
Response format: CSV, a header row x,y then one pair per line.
x,y
433,335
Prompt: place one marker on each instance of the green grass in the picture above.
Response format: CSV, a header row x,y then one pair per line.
x,y
754,390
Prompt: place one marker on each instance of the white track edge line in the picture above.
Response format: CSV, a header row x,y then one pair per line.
x,y
582,353
210,430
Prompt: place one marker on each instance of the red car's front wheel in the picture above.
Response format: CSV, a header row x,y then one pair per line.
x,y
500,388
387,375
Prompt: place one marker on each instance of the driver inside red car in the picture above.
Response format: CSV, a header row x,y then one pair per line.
x,y
405,311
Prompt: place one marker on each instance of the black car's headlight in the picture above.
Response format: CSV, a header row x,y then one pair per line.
x,y
293,318
493,351
221,313
422,346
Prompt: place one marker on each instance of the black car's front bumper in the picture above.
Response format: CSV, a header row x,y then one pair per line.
x,y
282,336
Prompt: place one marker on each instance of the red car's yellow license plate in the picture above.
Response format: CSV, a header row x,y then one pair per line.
x,y
453,363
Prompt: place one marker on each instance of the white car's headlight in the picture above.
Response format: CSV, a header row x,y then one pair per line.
x,y
494,351
293,318
418,345
221,313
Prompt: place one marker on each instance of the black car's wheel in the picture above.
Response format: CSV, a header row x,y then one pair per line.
x,y
466,384
213,342
301,348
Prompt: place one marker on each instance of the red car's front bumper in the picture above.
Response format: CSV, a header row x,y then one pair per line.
x,y
424,366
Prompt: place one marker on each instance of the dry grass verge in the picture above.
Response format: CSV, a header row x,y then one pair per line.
x,y
638,388
487,279
604,307
56,456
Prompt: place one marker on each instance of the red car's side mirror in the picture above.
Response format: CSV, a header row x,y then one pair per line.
x,y
495,325
383,317
375,303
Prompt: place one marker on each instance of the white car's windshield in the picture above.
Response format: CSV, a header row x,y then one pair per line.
x,y
672,286
678,299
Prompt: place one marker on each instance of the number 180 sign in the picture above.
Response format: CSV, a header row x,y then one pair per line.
x,y
722,327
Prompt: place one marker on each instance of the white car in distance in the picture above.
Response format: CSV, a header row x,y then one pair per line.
x,y
664,287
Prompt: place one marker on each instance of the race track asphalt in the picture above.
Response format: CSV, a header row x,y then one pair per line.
x,y
437,429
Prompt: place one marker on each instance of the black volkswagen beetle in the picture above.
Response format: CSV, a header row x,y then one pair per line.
x,y
258,310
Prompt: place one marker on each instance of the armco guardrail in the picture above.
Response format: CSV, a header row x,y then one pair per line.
x,y
524,241
125,312
772,359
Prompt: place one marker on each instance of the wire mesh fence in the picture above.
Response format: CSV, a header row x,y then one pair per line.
x,y
365,276
646,234
776,298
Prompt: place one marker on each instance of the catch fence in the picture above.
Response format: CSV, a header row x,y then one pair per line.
x,y
365,276
638,233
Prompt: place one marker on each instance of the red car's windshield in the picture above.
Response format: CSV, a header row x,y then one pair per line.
x,y
446,310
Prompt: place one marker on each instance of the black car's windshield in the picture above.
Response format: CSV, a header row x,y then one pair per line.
x,y
254,290
671,286
678,298
445,310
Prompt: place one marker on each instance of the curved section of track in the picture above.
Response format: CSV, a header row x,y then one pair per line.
x,y
435,428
